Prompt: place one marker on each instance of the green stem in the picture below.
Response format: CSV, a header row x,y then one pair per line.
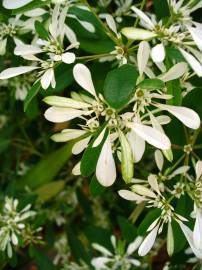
x,y
85,2
137,211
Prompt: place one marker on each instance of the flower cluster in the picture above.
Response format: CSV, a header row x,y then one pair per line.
x,y
13,224
115,121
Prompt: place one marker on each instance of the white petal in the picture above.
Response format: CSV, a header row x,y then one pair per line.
x,y
99,138
135,262
65,102
3,44
137,146
88,26
152,136
187,116
189,236
144,17
180,170
80,146
14,239
15,71
134,245
106,169
101,249
68,57
143,56
196,35
77,170
111,23
113,241
70,34
13,4
144,191
27,50
130,196
193,62
163,119
35,12
152,179
59,114
137,33
158,53
100,263
159,159
47,78
67,135
83,77
198,169
197,233
175,72
148,242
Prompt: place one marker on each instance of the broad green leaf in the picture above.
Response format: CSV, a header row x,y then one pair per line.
x,y
161,9
48,191
41,31
151,84
31,94
95,188
119,85
45,171
34,4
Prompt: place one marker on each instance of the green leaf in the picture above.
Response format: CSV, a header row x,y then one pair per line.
x,y
90,157
161,9
96,42
151,84
42,260
119,85
127,167
179,238
84,203
48,191
174,89
147,221
77,248
45,171
41,31
31,94
95,188
128,230
193,100
30,6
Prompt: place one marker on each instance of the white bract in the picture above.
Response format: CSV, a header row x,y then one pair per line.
x,y
175,34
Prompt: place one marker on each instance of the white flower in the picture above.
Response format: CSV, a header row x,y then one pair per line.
x,y
12,224
116,260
